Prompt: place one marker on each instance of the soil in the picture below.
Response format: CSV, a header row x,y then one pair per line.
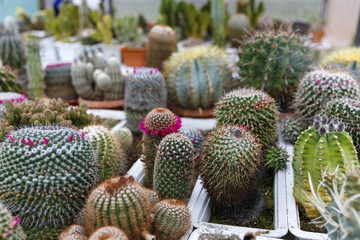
x,y
306,225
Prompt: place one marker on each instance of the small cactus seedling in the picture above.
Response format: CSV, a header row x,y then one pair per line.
x,y
291,129
194,135
108,233
276,158
9,226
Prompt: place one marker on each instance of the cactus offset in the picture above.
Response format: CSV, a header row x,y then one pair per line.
x,y
291,129
194,135
118,81
108,233
34,69
12,97
102,80
9,226
276,158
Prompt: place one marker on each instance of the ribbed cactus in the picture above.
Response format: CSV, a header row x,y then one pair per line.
x,y
174,167
171,219
145,90
324,147
273,62
73,232
34,69
12,53
108,233
161,44
119,202
157,124
153,196
48,171
252,108
229,161
102,80
78,75
276,158
194,135
237,25
125,137
291,129
218,19
113,70
8,82
319,87
197,76
9,226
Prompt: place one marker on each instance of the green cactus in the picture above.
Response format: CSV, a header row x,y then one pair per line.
x,y
252,108
254,12
48,171
78,75
8,82
197,76
291,129
168,11
125,137
153,196
194,135
238,25
322,148
9,226
273,61
319,87
109,233
73,232
117,90
174,167
103,31
12,97
84,16
12,53
218,18
171,219
145,90
125,27
119,202
44,233
156,125
276,158
109,151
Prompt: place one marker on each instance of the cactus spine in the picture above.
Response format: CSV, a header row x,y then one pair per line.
x,y
194,135
9,226
109,233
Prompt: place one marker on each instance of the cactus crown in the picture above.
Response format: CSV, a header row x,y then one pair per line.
x,y
160,121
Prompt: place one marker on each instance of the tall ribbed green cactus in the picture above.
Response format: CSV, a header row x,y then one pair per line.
x,y
174,167
194,135
197,77
34,69
322,148
171,219
119,202
48,171
218,18
9,226
117,89
12,53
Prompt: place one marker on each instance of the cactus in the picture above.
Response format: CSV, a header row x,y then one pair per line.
x,y
118,81
228,164
171,219
119,202
291,129
12,97
197,76
145,90
237,25
34,69
319,87
322,148
73,232
218,18
109,233
252,108
84,16
102,80
9,226
74,237
110,154
273,61
125,137
174,167
8,82
79,81
194,135
254,12
12,53
345,56
103,31
44,233
276,158
125,27
54,198
156,125
153,196
161,44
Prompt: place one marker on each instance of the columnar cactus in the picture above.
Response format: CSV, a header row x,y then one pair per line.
x,y
161,44
117,89
218,12
156,125
171,219
237,25
109,151
73,232
322,148
109,233
78,75
125,137
276,158
174,167
12,53
8,82
197,76
34,69
9,226
145,90
194,135
252,108
291,129
319,87
119,202
54,198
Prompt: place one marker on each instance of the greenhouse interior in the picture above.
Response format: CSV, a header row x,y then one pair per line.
x,y
179,119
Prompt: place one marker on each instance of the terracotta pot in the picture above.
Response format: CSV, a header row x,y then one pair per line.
x,y
201,113
117,104
133,57
71,102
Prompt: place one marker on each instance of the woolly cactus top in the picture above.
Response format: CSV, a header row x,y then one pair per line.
x,y
160,121
12,97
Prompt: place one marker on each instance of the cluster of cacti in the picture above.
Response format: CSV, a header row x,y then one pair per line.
x,y
171,219
197,77
103,32
12,97
156,125
237,25
252,108
324,147
34,69
273,62
218,18
174,167
109,151
290,129
319,87
145,90
161,44
194,135
8,82
12,53
9,226
276,158
125,27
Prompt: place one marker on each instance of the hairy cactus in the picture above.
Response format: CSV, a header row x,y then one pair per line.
x,y
109,233
118,81
153,196
291,129
237,25
319,87
252,108
12,53
156,125
273,62
171,219
73,232
125,137
34,69
194,135
145,90
161,44
197,76
174,167
109,151
276,158
228,164
8,82
119,202
322,148
9,226
102,80
54,198
82,86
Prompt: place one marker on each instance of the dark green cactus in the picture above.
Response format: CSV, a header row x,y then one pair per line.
x,y
276,158
44,233
8,82
12,53
34,68
252,108
194,135
109,233
174,167
197,76
291,129
171,219
218,18
9,226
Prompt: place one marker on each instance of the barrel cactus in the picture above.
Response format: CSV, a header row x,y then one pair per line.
x,y
54,198
323,147
125,137
109,233
73,232
197,76
276,158
171,219
194,135
252,108
319,87
237,27
34,68
290,129
9,226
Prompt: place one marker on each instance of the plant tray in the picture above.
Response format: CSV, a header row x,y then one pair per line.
x,y
117,104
